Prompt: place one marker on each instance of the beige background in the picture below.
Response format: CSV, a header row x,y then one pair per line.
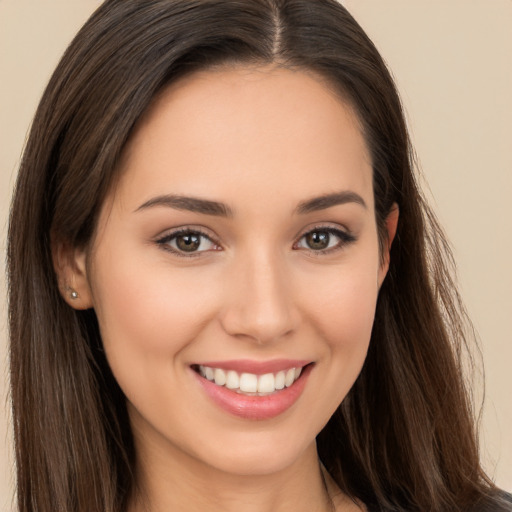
x,y
452,60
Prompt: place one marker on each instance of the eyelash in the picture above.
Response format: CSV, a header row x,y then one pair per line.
x,y
166,239
345,238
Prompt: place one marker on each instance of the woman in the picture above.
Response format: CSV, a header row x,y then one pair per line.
x,y
219,287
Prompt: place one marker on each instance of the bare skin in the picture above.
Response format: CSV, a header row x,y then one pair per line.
x,y
228,492
284,162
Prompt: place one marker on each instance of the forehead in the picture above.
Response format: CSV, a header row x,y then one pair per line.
x,y
233,131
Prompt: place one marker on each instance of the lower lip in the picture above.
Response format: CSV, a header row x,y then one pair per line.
x,y
255,407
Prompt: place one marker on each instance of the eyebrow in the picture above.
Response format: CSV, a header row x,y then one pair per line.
x,y
191,204
328,200
208,207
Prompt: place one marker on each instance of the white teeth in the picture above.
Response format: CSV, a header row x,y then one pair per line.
x,y
248,383
232,380
219,376
279,382
251,383
266,383
290,376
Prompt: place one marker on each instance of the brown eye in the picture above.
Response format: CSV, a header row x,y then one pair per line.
x,y
318,240
189,242
323,240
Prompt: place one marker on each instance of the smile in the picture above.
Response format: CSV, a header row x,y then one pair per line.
x,y
253,390
250,383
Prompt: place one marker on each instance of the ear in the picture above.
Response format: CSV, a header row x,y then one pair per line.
x,y
71,269
391,225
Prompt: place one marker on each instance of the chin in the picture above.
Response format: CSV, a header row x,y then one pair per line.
x,y
262,453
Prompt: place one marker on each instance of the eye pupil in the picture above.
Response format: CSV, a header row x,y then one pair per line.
x,y
188,243
317,240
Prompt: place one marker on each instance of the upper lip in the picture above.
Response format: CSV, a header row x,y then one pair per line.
x,y
256,367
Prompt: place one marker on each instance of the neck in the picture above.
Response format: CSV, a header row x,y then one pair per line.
x,y
173,483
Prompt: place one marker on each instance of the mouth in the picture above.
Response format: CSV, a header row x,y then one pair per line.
x,y
252,390
250,384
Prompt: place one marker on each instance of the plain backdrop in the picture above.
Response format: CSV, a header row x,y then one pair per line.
x,y
452,60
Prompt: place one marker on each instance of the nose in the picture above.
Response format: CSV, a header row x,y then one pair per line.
x,y
260,302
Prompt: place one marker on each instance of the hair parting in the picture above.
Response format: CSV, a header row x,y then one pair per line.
x,y
404,437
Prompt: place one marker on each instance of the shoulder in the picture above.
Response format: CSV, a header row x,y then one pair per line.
x,y
502,502
499,502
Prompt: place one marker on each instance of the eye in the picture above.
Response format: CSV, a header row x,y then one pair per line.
x,y
187,242
324,239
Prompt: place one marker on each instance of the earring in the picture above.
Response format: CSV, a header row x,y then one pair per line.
x,y
72,293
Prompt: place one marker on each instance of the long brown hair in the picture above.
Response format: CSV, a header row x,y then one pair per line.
x,y
404,437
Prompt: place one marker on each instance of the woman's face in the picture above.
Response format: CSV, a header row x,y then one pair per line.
x,y
239,244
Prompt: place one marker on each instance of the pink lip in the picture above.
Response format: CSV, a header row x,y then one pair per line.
x,y
254,407
256,367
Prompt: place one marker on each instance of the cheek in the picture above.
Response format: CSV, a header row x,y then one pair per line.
x,y
347,329
147,311
343,305
352,310
343,315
